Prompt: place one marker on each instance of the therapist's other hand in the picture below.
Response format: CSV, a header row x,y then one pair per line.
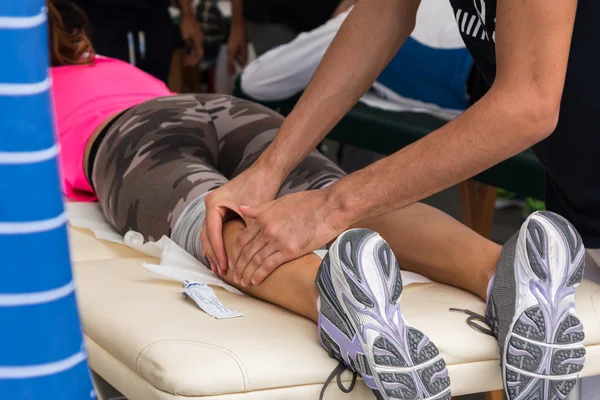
x,y
281,231
192,35
255,186
237,46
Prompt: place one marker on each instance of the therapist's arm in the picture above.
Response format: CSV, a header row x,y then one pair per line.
x,y
367,40
191,33
237,45
369,37
521,109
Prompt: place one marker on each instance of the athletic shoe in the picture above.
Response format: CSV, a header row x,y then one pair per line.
x,y
360,323
531,309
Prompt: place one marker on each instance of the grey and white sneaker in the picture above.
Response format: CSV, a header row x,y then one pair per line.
x,y
531,309
360,323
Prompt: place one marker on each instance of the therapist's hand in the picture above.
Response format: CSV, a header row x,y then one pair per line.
x,y
255,186
237,46
281,231
192,35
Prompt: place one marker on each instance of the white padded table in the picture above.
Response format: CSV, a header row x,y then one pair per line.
x,y
150,343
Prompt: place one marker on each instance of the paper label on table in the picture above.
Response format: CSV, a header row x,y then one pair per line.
x,y
204,296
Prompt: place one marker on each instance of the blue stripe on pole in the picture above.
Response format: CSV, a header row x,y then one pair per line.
x,y
41,355
20,8
35,262
25,122
24,55
72,384
28,347
34,190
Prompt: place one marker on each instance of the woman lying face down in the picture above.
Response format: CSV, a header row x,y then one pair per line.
x,y
150,156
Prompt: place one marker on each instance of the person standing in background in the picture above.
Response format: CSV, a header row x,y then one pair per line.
x,y
141,32
270,23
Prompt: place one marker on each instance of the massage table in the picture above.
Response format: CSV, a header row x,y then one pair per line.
x,y
150,343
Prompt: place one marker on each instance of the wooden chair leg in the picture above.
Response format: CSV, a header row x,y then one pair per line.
x,y
487,206
176,71
495,395
468,199
478,204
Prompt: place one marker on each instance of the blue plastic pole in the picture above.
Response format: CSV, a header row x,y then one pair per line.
x,y
42,356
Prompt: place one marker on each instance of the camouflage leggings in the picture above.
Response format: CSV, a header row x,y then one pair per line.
x,y
162,154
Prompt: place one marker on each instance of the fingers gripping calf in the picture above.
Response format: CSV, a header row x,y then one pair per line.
x,y
290,286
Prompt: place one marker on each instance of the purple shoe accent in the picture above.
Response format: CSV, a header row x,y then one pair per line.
x,y
518,352
514,384
382,353
574,329
395,385
532,309
576,361
489,288
424,342
440,375
352,347
369,381
528,321
360,322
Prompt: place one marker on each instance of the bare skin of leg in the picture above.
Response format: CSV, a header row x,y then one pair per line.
x,y
424,240
291,286
431,243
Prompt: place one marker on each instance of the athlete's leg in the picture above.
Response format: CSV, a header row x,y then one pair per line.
x,y
429,242
425,240
356,304
291,286
245,129
155,159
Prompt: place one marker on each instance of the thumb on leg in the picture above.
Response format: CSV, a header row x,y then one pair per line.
x,y
250,211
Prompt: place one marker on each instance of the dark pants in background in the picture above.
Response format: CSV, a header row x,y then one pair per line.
x,y
151,46
267,36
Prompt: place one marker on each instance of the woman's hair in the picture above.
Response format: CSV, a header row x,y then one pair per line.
x,y
69,34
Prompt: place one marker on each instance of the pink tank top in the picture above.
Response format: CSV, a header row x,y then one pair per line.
x,y
84,97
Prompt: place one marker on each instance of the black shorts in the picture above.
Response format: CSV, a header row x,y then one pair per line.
x,y
111,39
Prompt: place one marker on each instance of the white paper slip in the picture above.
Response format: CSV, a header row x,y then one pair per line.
x,y
204,296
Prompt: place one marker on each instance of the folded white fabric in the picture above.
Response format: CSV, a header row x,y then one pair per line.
x,y
175,263
384,99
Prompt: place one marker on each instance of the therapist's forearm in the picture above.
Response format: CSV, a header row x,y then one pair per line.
x,y
368,39
489,132
186,8
237,12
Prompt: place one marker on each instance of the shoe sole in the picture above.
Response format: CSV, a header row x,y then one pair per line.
x,y
544,350
395,360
